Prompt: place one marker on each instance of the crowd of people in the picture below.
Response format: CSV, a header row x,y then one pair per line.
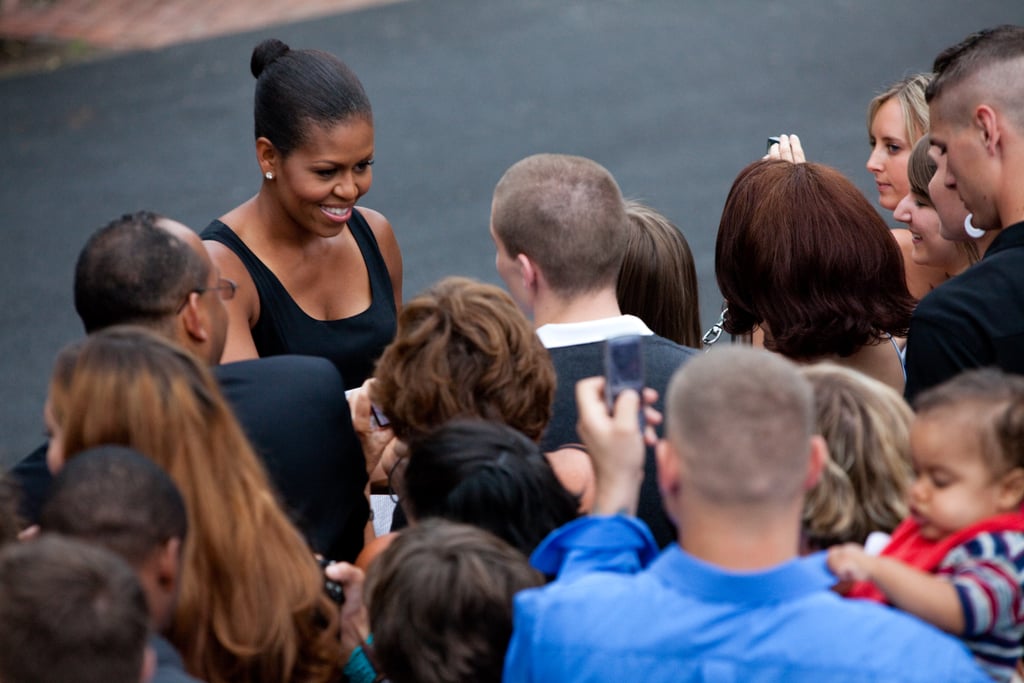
x,y
837,495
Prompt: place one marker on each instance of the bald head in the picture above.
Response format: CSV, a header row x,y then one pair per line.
x,y
741,419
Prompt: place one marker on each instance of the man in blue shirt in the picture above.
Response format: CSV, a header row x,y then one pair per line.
x,y
732,601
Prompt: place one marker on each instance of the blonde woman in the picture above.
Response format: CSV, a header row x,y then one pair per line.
x,y
252,606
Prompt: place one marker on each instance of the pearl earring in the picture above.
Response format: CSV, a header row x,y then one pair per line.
x,y
269,175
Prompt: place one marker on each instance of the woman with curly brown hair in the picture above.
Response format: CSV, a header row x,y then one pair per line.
x,y
252,606
803,257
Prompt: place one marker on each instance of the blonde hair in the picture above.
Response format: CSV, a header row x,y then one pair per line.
x,y
865,482
252,605
909,92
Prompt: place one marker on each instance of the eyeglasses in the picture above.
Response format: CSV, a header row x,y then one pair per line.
x,y
225,287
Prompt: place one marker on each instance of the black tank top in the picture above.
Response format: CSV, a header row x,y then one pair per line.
x,y
352,344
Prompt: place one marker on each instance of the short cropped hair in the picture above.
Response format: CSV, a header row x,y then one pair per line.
x,y
909,92
452,586
70,612
802,252
741,418
488,475
658,279
133,272
115,497
464,349
994,402
993,60
565,213
865,483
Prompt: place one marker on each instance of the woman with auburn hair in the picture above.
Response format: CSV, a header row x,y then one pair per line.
x,y
658,279
464,349
865,484
802,256
252,606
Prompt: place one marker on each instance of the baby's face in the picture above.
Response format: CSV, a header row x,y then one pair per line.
x,y
953,486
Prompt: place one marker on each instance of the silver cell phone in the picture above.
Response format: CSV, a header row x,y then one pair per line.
x,y
623,368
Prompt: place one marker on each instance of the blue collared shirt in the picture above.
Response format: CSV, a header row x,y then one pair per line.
x,y
621,612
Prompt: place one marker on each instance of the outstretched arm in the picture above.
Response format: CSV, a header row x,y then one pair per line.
x,y
924,595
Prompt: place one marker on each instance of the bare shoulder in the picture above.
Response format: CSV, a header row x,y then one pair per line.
x,y
389,248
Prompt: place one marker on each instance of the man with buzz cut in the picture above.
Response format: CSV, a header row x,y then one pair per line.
x,y
148,270
731,600
976,106
560,228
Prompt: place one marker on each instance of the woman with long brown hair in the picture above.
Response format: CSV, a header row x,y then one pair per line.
x,y
252,606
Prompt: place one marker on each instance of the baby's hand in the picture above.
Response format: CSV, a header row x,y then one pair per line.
x,y
849,562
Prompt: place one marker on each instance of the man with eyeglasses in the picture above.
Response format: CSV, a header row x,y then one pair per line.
x,y
148,270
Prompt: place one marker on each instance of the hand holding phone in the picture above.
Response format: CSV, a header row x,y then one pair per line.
x,y
624,369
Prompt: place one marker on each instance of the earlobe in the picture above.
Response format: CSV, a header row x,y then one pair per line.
x,y
816,462
266,155
528,272
192,319
988,125
1011,492
669,469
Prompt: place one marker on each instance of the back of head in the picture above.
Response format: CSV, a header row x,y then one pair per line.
x,y
452,586
741,419
986,65
488,475
297,89
909,92
988,401
464,349
565,213
131,387
802,253
115,497
70,612
865,483
134,272
658,279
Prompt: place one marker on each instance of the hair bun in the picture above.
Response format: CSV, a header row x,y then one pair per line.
x,y
265,54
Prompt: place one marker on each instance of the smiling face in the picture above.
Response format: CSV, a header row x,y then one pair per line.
x,y
929,247
953,485
890,150
320,181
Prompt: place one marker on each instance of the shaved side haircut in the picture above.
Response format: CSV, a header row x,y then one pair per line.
x,y
567,214
986,65
741,419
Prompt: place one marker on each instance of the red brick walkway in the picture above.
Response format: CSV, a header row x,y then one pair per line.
x,y
134,24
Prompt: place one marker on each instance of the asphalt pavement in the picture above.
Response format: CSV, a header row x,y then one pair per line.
x,y
674,97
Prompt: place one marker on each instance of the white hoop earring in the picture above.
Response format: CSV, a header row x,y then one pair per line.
x,y
269,175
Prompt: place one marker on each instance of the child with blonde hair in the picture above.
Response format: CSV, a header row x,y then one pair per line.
x,y
863,488
958,560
